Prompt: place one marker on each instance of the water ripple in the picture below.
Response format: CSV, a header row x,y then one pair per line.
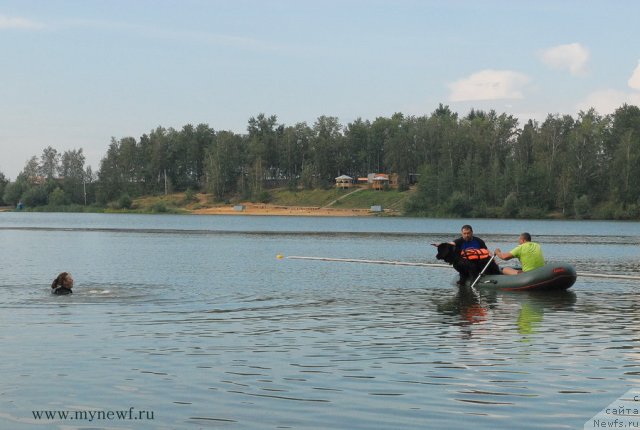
x,y
209,330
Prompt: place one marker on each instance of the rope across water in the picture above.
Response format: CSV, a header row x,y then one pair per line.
x,y
407,263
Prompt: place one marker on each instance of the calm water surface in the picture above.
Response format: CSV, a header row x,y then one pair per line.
x,y
194,320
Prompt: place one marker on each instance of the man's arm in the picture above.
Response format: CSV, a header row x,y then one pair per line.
x,y
503,255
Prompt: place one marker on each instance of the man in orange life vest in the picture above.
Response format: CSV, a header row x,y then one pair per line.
x,y
475,251
468,240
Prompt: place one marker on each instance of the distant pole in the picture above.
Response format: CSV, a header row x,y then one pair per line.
x,y
84,189
165,182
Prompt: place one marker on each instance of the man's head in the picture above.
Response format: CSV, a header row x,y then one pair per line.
x,y
524,237
467,232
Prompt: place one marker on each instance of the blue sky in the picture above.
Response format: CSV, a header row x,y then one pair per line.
x,y
73,74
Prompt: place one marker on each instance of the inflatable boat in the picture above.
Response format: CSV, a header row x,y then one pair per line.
x,y
550,277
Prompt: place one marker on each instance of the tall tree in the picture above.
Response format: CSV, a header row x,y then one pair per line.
x,y
203,137
31,170
263,142
72,173
3,184
157,153
625,146
225,157
325,147
357,137
552,153
586,143
119,170
401,148
294,152
49,163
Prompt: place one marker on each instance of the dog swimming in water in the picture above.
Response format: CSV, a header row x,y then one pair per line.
x,y
62,284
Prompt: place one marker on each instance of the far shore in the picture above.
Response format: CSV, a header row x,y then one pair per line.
x,y
253,209
325,203
267,209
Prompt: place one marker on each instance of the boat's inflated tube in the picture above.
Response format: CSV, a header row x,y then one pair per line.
x,y
552,276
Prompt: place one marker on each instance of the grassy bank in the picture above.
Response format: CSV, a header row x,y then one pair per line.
x,y
331,198
392,201
339,199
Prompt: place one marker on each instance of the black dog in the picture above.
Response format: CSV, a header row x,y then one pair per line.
x,y
468,268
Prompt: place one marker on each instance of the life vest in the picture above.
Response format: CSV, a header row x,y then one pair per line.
x,y
475,254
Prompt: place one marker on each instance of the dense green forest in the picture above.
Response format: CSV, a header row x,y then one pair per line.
x,y
481,165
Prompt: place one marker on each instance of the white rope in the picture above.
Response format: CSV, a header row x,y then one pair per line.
x,y
353,260
606,275
406,263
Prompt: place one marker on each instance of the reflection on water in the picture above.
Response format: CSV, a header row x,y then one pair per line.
x,y
211,330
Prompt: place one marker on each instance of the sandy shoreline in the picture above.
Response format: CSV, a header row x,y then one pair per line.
x,y
273,210
266,209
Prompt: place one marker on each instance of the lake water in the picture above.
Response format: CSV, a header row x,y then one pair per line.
x,y
191,322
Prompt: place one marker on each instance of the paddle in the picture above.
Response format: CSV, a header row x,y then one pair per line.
x,y
481,273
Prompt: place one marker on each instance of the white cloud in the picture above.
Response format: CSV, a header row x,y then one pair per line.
x,y
607,101
7,22
634,80
572,57
489,85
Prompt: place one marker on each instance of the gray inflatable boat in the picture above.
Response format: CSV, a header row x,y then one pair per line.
x,y
550,277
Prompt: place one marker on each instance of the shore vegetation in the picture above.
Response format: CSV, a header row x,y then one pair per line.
x,y
483,164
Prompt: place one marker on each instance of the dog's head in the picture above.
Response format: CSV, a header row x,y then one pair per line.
x,y
447,252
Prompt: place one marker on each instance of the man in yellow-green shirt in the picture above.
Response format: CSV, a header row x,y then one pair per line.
x,y
529,253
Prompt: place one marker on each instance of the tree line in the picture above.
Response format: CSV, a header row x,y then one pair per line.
x,y
482,164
